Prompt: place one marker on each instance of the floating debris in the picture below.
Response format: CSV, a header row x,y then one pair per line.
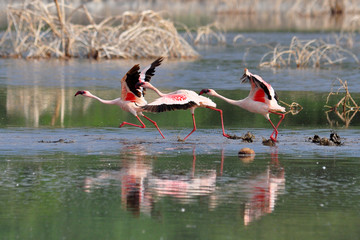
x,y
334,140
246,151
180,139
246,155
248,137
57,141
268,142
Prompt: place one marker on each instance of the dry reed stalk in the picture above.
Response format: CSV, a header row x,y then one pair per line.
x,y
210,34
39,30
311,8
306,53
243,39
346,108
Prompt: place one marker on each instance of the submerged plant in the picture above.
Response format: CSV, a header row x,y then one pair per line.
x,y
294,107
40,30
346,108
306,53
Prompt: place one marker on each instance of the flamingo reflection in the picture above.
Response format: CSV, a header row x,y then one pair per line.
x,y
184,187
264,190
139,186
135,169
142,187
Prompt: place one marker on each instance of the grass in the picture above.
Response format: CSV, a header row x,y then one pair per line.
x,y
41,30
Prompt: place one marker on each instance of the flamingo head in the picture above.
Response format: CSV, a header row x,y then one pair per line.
x,y
143,84
207,91
245,76
82,92
139,84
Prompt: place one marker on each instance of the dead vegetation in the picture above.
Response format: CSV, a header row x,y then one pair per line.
x,y
210,34
334,140
248,137
42,30
306,53
346,108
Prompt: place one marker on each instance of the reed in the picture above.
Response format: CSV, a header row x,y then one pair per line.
x,y
210,34
40,30
306,53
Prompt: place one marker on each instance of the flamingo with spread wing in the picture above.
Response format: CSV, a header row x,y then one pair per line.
x,y
132,97
262,99
180,100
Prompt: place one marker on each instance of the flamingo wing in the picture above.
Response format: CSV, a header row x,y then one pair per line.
x,y
259,88
129,92
149,71
171,102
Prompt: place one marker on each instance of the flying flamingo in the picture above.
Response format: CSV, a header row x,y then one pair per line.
x,y
132,97
180,99
262,99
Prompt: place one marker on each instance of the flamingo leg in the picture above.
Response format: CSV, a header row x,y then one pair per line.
x,y
275,131
131,124
155,124
276,127
222,121
194,162
194,129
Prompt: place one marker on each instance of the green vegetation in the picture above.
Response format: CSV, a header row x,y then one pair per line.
x,y
82,112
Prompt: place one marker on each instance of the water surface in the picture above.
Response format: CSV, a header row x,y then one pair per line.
x,y
69,172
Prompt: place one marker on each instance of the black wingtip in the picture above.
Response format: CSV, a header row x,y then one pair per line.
x,y
168,107
157,62
134,69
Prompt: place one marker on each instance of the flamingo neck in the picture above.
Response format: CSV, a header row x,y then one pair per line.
x,y
228,100
158,92
102,100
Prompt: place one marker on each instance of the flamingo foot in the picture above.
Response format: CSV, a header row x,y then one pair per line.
x,y
131,124
227,135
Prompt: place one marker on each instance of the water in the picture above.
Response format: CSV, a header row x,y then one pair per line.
x,y
68,171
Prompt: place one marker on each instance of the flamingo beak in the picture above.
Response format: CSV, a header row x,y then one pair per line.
x,y
79,92
245,76
204,91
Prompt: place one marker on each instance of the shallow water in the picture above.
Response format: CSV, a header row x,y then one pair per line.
x,y
69,172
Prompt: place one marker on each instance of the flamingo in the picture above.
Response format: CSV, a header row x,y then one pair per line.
x,y
262,99
180,99
132,97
